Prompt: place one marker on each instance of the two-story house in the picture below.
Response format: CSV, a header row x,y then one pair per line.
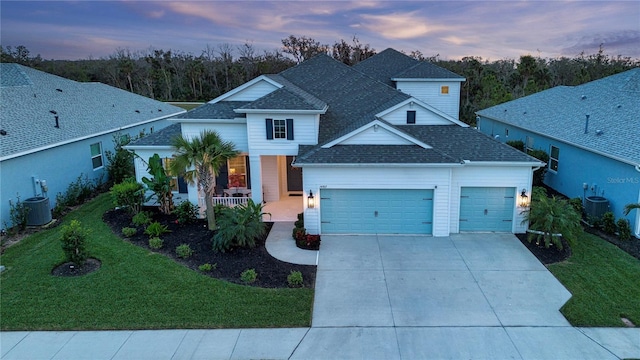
x,y
373,148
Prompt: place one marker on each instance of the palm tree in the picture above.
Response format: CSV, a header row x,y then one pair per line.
x,y
629,207
199,160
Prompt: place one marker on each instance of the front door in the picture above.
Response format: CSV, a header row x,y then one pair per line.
x,y
294,176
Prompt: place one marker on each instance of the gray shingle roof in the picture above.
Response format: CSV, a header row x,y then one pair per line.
x,y
353,97
219,110
283,99
425,70
29,96
613,104
372,154
162,137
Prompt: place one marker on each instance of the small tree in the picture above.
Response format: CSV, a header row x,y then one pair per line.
x,y
159,184
73,243
552,216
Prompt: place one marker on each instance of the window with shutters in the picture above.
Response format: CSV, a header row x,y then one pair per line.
x,y
279,129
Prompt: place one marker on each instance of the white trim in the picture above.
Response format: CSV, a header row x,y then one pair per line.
x,y
425,106
244,86
51,146
383,125
215,121
385,165
503,163
148,147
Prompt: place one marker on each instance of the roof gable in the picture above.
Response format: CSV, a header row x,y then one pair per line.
x,y
376,133
436,117
250,91
560,113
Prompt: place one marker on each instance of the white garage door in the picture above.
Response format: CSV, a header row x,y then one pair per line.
x,y
366,211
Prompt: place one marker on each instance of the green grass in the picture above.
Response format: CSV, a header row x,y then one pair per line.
x,y
604,281
186,106
134,288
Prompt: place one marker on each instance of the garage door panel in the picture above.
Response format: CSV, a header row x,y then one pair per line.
x,y
368,211
486,209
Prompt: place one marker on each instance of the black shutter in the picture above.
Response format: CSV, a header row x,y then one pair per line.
x,y
222,180
269,129
246,160
182,186
411,117
289,129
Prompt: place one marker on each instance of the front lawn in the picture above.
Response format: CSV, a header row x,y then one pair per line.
x,y
134,288
604,281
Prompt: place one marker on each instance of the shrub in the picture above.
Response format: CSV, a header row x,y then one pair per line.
x,y
128,231
624,229
79,191
538,175
518,144
300,222
309,242
248,276
186,212
159,184
295,279
128,194
552,216
207,267
18,213
239,226
73,243
576,203
184,251
142,218
120,161
609,223
299,234
155,229
156,243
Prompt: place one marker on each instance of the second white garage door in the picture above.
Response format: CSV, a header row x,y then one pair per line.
x,y
367,211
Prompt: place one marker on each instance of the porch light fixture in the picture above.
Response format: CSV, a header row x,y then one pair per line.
x,y
311,201
524,199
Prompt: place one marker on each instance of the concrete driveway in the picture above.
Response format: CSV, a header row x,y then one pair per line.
x,y
480,280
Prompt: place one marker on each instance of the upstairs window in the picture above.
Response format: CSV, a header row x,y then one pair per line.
x,y
96,155
279,129
411,117
553,158
444,90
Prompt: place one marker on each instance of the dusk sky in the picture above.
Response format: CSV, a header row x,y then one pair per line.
x,y
493,30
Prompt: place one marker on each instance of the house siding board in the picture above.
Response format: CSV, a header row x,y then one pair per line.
x,y
423,116
236,133
305,132
379,137
59,166
254,92
429,92
388,177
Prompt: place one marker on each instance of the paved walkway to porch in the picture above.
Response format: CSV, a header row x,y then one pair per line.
x,y
281,246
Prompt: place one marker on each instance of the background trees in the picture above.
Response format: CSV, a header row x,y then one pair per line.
x,y
170,75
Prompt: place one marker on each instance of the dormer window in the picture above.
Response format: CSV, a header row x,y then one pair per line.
x,y
444,90
279,129
411,116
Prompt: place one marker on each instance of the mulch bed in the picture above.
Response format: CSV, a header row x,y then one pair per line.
x,y
272,273
71,269
548,255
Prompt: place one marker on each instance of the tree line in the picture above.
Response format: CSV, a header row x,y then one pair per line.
x,y
170,75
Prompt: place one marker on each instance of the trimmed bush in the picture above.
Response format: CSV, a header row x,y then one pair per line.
x,y
609,223
129,232
156,243
239,226
518,144
624,229
73,243
249,276
155,229
142,218
295,279
207,267
187,212
128,194
184,251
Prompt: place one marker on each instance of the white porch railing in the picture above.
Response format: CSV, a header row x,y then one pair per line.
x,y
230,201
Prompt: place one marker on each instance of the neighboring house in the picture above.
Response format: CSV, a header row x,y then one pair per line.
x,y
377,160
590,131
53,130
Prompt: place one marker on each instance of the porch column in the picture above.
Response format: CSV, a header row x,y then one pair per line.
x,y
256,178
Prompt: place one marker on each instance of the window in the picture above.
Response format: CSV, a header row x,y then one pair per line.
x,y
506,132
411,117
528,146
237,172
279,129
553,158
444,90
96,155
166,164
